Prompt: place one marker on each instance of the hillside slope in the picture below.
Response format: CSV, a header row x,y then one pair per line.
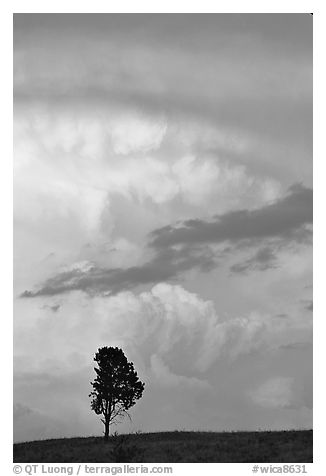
x,y
173,447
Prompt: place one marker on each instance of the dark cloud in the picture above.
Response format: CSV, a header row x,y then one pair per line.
x,y
167,265
187,246
264,259
286,218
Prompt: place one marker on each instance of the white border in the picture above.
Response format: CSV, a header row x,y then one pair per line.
x,y
319,197
173,6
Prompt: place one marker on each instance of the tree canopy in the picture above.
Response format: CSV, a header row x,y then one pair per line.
x,y
116,387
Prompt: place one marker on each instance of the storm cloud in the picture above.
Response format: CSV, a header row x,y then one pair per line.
x,y
165,266
287,218
186,246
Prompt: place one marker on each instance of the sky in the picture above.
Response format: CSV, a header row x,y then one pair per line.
x,y
163,204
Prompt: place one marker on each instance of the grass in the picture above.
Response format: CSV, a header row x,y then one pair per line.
x,y
173,447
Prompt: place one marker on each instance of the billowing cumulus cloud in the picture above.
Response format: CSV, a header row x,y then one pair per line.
x,y
175,338
166,323
125,152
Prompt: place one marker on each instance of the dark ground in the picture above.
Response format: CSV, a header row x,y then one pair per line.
x,y
173,447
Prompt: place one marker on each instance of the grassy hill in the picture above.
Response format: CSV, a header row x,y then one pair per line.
x,y
173,447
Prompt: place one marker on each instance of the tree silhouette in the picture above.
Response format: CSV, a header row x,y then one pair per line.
x,y
116,387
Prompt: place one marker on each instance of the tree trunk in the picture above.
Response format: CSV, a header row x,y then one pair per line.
x,y
107,431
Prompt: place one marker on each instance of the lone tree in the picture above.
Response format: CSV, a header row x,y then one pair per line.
x,y
116,387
